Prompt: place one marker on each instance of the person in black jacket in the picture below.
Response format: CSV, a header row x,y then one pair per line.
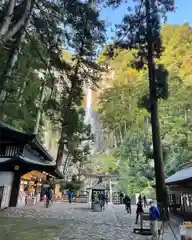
x,y
139,211
145,201
127,202
121,196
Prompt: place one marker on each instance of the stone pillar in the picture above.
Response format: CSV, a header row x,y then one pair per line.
x,y
110,191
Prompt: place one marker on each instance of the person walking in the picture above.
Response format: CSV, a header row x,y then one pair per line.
x,y
145,201
139,210
154,216
106,198
49,196
103,200
139,198
121,196
70,195
26,199
127,202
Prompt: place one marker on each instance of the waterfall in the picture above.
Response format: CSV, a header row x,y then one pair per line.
x,y
92,118
88,106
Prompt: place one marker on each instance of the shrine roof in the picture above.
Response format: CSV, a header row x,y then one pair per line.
x,y
36,144
7,132
27,160
11,134
98,187
8,164
182,175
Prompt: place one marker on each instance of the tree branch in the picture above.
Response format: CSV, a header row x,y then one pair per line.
x,y
13,30
7,19
40,56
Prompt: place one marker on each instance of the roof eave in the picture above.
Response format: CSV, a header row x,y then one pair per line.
x,y
27,136
42,150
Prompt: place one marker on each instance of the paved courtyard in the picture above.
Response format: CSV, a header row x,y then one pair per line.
x,y
63,221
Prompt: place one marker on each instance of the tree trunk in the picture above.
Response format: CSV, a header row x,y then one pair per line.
x,y
66,163
61,148
65,123
79,171
125,129
39,109
65,168
111,140
21,91
120,134
161,191
13,55
115,140
186,116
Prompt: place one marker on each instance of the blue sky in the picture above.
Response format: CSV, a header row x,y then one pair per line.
x,y
183,14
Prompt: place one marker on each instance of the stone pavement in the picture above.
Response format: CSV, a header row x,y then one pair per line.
x,y
68,221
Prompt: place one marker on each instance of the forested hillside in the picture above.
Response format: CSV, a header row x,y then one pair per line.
x,y
48,52
47,58
125,118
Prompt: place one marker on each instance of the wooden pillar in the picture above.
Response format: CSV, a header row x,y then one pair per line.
x,y
90,191
15,189
57,191
110,191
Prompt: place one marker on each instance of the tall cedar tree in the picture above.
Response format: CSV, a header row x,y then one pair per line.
x,y
55,24
141,30
48,21
126,90
85,37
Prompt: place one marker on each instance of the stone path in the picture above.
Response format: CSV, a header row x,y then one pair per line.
x,y
67,221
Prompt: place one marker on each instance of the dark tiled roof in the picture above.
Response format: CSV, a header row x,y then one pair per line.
x,y
20,134
30,138
41,149
182,175
28,160
98,187
46,166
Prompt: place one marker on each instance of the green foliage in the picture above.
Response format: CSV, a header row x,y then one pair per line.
x,y
74,185
127,124
134,166
40,81
106,163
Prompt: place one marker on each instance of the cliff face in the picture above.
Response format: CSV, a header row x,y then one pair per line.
x,y
106,82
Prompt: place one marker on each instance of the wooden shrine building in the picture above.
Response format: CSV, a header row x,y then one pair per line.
x,y
21,153
180,191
